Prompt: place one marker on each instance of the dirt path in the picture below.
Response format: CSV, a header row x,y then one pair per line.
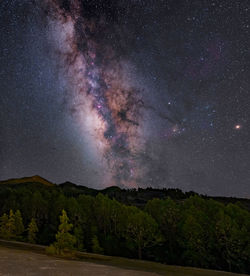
x,y
19,262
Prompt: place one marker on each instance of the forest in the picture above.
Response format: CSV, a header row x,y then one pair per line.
x,y
166,226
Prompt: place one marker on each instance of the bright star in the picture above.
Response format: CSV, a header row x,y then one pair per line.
x,y
238,127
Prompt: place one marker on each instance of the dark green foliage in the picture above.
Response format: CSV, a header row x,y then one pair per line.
x,y
19,227
168,226
4,233
141,228
32,231
96,248
65,241
11,227
167,215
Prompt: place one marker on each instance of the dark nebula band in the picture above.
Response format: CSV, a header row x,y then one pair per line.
x,y
102,96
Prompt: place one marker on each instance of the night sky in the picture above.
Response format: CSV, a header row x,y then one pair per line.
x,y
134,93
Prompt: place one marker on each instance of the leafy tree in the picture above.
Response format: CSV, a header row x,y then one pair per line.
x,y
32,231
59,204
196,230
73,210
167,215
102,213
232,233
192,240
77,217
240,237
141,228
39,208
79,235
86,220
109,215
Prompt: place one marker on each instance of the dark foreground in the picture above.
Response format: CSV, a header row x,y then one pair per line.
x,y
25,263
177,228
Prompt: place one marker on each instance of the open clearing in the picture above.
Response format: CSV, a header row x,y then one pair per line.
x,y
19,262
22,262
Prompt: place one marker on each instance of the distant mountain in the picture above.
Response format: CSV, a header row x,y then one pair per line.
x,y
71,189
138,197
32,179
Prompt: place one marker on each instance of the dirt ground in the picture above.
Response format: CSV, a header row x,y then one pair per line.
x,y
20,262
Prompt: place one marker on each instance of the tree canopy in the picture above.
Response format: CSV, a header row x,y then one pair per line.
x,y
185,230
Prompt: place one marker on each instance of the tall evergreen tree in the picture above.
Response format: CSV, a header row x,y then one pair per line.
x,y
32,230
96,248
64,240
3,226
19,228
10,226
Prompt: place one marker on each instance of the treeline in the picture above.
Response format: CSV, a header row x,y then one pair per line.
x,y
12,228
193,232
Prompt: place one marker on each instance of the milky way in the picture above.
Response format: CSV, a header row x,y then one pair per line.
x,y
102,95
135,93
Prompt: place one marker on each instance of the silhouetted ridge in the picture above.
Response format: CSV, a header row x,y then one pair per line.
x,y
138,197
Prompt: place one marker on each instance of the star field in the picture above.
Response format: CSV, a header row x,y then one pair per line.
x,y
129,93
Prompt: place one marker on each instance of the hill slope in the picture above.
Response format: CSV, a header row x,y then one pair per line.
x,y
32,179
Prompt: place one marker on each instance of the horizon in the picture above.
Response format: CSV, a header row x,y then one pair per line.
x,y
122,188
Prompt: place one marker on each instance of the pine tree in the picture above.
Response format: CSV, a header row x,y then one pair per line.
x,y
10,226
64,240
96,248
3,226
19,228
32,230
